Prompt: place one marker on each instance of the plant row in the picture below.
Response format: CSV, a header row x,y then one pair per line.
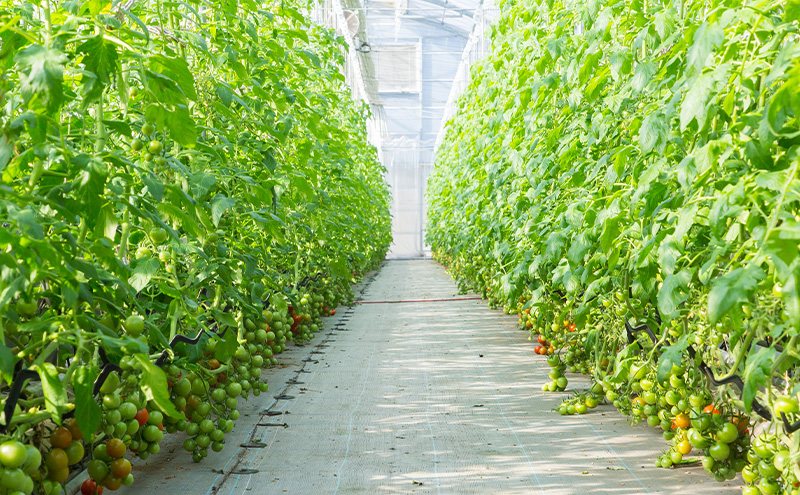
x,y
624,176
186,188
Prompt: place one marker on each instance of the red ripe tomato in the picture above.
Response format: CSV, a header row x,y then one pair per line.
x,y
141,417
333,312
710,409
89,487
537,349
542,340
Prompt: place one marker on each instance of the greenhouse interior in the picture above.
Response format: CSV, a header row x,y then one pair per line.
x,y
400,246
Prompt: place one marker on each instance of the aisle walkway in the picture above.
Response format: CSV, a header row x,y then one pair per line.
x,y
424,398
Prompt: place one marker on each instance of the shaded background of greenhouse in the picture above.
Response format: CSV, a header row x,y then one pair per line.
x,y
409,59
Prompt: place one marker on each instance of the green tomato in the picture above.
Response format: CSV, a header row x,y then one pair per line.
x,y
203,409
728,433
127,410
13,454
158,235
749,474
234,389
206,426
676,382
155,418
98,470
767,469
111,401
720,451
781,459
111,384
192,429
786,405
151,433
182,387
33,460
762,448
26,309
75,452
203,441
155,147
697,439
672,397
13,480
148,128
768,486
697,400
134,325
218,395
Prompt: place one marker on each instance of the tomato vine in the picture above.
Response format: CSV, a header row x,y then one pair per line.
x,y
618,164
168,169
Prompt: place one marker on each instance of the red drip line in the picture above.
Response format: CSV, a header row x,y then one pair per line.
x,y
420,300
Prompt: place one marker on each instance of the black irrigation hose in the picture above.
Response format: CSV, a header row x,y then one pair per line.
x,y
20,378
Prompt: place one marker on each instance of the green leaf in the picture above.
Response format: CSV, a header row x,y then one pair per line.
x,y
734,288
791,11
154,186
672,356
791,296
673,292
144,271
782,245
694,104
218,206
42,75
227,345
176,69
756,374
100,58
653,133
87,411
706,39
643,75
665,21
55,397
200,184
176,120
153,383
26,221
610,233
7,362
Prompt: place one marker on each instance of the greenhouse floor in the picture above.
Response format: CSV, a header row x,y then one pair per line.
x,y
421,397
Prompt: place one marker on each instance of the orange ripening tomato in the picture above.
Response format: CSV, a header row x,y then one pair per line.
x,y
681,421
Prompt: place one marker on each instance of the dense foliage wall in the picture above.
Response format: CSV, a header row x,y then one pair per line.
x,y
168,168
615,164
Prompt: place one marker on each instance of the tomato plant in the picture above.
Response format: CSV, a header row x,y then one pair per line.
x,y
178,204
631,169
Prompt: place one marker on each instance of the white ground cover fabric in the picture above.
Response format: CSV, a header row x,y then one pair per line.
x,y
436,397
